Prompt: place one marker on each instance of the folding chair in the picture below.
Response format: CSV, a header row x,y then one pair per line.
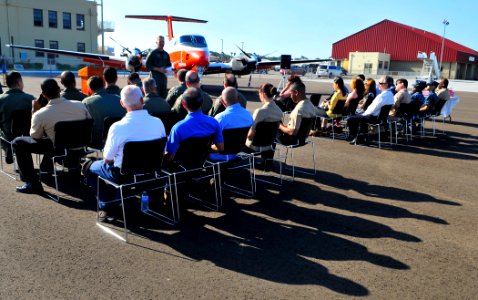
x,y
301,140
190,166
234,141
141,172
19,126
71,140
264,137
382,121
436,112
337,111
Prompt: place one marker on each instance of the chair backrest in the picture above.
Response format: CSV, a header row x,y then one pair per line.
x,y
234,139
403,110
266,133
339,107
21,122
304,129
436,108
143,157
193,151
73,134
383,115
352,107
107,122
169,119
315,99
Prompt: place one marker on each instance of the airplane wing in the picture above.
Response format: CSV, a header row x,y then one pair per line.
x,y
217,68
99,59
267,64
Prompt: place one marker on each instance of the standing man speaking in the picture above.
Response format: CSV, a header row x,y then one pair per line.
x,y
157,62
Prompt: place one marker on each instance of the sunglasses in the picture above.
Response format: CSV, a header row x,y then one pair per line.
x,y
382,83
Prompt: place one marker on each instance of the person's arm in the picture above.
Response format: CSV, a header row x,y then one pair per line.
x,y
350,97
37,131
286,129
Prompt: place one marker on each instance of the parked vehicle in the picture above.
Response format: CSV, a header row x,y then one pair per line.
x,y
329,71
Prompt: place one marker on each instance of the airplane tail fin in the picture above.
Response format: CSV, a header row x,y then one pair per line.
x,y
168,19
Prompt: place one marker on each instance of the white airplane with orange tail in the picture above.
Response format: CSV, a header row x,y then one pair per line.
x,y
188,51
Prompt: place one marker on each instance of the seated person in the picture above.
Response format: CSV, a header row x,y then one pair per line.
x,y
229,81
303,109
43,124
443,92
268,112
195,124
130,128
134,79
417,92
235,116
101,105
327,107
193,81
284,101
430,100
178,90
357,123
355,96
12,100
70,92
369,95
401,97
153,103
111,77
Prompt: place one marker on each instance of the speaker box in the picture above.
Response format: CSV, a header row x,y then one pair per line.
x,y
285,61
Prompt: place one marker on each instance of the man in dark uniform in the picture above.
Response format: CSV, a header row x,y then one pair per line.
x,y
12,100
157,62
70,92
178,90
218,107
192,81
111,76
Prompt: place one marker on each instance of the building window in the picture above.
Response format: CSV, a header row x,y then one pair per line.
x,y
385,65
52,19
380,64
66,20
38,17
52,57
39,44
367,68
80,47
80,22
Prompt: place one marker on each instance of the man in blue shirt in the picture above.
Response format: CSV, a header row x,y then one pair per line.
x,y
234,116
196,124
430,100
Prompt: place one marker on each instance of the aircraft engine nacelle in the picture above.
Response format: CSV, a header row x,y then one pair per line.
x,y
134,63
242,66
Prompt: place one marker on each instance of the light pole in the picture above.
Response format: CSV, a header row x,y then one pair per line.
x,y
242,47
445,24
222,50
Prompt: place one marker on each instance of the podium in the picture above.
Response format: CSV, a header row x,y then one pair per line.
x,y
86,73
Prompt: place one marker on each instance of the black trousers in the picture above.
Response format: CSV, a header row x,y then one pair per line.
x,y
24,147
358,123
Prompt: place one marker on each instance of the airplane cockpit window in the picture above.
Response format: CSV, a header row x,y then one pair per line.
x,y
193,40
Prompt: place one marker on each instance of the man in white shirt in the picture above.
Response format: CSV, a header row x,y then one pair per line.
x,y
360,121
136,125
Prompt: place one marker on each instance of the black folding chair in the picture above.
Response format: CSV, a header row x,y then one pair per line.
x,y
168,119
382,120
19,126
337,111
435,112
140,172
190,166
234,141
301,140
71,140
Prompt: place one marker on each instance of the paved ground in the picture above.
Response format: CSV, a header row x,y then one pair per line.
x,y
385,224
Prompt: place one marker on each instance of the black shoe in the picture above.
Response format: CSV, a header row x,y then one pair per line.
x,y
30,188
9,159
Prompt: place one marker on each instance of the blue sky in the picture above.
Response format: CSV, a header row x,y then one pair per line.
x,y
297,27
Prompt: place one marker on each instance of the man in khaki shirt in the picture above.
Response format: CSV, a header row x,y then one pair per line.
x,y
42,134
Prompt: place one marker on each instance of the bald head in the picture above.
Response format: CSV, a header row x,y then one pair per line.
x,y
192,79
229,95
230,80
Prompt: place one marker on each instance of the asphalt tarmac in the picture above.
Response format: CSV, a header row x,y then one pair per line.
x,y
392,223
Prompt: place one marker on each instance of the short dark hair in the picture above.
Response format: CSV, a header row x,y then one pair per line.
x,y
192,77
50,88
230,80
182,75
298,86
13,78
68,79
96,83
389,80
404,81
192,98
110,74
134,77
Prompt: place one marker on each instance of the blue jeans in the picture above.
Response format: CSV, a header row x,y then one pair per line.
x,y
106,171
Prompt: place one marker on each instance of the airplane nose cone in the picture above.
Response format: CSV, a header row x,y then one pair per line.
x,y
198,58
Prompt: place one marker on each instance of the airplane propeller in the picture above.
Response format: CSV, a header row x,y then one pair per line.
x,y
123,48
